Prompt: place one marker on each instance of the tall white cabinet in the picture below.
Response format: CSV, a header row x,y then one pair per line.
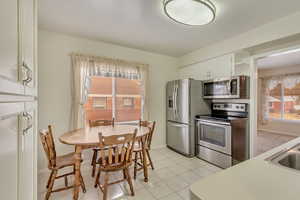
x,y
18,99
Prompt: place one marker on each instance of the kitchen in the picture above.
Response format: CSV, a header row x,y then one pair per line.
x,y
220,134
42,42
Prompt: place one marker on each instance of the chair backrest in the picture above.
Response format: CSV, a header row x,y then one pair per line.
x,y
49,146
116,150
151,126
101,122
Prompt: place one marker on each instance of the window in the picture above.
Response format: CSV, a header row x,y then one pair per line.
x,y
114,97
284,98
99,102
128,102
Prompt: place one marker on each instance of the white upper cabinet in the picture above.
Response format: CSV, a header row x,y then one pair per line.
x,y
234,64
18,69
214,68
9,69
28,45
241,63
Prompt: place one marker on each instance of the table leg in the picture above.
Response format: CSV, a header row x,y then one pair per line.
x,y
78,149
145,161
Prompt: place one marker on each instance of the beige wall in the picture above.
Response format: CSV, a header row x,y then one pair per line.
x,y
280,127
54,80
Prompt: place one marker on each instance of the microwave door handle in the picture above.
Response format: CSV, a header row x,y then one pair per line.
x,y
229,86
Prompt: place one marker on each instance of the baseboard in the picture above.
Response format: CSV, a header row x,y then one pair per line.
x,y
159,146
278,132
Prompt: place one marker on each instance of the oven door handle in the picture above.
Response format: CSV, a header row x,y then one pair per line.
x,y
213,123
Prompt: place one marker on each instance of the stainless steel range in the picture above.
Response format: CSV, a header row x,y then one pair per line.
x,y
222,137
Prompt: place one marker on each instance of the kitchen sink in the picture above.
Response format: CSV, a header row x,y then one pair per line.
x,y
289,158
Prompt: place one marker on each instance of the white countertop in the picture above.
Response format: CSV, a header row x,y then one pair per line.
x,y
255,179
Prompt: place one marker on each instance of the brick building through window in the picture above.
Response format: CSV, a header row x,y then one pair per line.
x,y
114,97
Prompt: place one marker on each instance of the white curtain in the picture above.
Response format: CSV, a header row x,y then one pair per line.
x,y
288,81
84,66
267,84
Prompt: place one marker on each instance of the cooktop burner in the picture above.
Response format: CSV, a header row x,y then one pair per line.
x,y
226,112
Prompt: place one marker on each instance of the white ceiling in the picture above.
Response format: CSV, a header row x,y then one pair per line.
x,y
284,60
142,24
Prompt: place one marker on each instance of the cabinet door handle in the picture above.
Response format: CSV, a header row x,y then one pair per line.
x,y
28,118
28,74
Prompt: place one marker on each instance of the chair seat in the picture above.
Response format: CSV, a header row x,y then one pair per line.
x,y
65,160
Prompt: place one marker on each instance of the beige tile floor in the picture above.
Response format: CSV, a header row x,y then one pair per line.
x,y
170,180
267,141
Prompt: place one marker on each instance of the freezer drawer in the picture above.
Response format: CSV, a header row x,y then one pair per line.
x,y
178,137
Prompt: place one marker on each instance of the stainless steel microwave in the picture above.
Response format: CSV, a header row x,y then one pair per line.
x,y
236,87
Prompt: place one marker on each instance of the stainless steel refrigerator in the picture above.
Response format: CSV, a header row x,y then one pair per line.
x,y
184,101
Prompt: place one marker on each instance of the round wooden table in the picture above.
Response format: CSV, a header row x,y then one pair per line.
x,y
81,138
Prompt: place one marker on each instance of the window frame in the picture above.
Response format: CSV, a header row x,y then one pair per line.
x,y
114,96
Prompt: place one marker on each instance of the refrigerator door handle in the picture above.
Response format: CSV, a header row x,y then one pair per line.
x,y
173,107
175,100
177,125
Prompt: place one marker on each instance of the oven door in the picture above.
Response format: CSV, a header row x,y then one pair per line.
x,y
215,135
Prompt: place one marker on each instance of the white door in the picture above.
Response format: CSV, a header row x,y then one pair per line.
x,y
9,69
28,43
9,132
28,153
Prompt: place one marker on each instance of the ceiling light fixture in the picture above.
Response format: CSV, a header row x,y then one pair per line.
x,y
190,12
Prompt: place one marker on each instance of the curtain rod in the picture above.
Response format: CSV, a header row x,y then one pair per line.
x,y
107,58
278,75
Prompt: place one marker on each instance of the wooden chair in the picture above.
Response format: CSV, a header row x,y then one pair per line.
x,y
55,163
95,123
138,147
115,155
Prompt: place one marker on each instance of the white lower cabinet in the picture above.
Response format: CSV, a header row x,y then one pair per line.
x,y
18,151
9,157
9,149
27,166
